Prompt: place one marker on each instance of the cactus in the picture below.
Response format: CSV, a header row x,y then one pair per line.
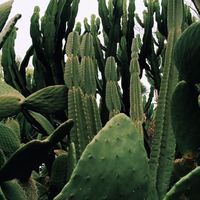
x,y
30,156
187,59
44,100
12,190
188,181
113,101
9,140
136,107
10,100
163,146
58,175
88,74
76,100
107,162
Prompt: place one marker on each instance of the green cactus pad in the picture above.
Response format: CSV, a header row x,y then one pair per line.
x,y
186,117
114,166
10,100
9,142
47,100
12,190
186,54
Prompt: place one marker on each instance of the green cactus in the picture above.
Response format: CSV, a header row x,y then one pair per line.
x,y
186,117
113,101
108,162
10,101
30,156
136,105
163,147
10,142
44,100
58,174
12,190
7,29
5,9
189,181
88,74
186,54
76,101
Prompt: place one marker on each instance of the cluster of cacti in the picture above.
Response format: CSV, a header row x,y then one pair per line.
x,y
52,143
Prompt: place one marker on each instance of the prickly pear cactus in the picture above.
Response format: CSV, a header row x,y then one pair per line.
x,y
114,166
186,117
186,54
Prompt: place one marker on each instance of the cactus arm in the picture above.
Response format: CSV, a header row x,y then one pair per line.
x,y
163,146
113,101
13,190
8,29
25,62
74,11
44,100
88,74
136,105
5,9
183,184
104,14
76,101
60,132
36,37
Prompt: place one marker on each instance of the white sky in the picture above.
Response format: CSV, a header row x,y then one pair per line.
x,y
25,7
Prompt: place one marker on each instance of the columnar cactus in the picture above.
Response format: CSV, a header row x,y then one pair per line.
x,y
163,146
136,105
76,100
113,101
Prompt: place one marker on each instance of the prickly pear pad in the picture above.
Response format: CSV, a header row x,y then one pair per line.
x,y
114,166
186,54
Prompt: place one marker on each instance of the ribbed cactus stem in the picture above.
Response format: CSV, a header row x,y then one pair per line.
x,y
88,84
113,101
76,100
73,44
136,105
163,146
87,48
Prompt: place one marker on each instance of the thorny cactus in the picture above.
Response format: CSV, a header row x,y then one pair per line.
x,y
52,142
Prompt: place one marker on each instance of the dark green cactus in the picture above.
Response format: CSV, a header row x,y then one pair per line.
x,y
186,54
186,117
30,156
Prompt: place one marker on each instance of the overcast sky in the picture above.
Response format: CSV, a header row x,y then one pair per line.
x,y
25,7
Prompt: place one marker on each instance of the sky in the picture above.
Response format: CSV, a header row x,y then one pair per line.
x,y
25,8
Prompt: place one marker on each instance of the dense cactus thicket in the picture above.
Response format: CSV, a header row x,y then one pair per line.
x,y
78,124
